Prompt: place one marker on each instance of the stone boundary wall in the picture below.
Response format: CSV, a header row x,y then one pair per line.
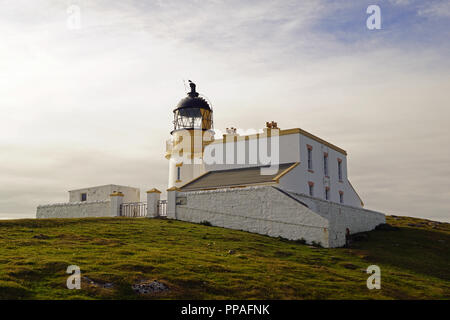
x,y
342,217
270,211
75,210
262,210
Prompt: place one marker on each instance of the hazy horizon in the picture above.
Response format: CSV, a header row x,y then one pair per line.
x,y
91,104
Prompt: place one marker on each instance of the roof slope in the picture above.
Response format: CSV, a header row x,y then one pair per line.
x,y
235,178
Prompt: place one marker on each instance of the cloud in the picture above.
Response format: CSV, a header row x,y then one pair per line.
x,y
436,9
93,106
400,2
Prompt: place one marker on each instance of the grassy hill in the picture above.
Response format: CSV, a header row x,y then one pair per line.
x,y
202,262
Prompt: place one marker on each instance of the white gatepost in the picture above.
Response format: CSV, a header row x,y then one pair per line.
x,y
171,203
116,202
153,197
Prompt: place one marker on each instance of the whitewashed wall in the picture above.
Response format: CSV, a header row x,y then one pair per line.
x,y
340,217
75,210
269,211
289,151
190,160
318,175
262,210
101,193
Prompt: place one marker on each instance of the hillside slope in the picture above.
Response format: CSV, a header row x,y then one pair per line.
x,y
201,262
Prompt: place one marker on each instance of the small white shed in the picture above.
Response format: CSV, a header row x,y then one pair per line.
x,y
101,193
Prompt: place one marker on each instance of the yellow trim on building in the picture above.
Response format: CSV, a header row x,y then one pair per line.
x,y
284,133
173,189
179,164
313,137
253,185
117,194
154,190
277,178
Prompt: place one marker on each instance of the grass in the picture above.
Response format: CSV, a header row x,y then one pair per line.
x,y
203,262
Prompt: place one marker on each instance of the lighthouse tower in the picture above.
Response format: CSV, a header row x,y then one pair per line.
x,y
192,131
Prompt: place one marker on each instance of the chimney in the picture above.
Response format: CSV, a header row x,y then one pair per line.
x,y
231,132
270,125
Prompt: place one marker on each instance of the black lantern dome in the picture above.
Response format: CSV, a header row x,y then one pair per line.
x,y
193,112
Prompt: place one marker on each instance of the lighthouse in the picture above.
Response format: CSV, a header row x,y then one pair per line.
x,y
192,131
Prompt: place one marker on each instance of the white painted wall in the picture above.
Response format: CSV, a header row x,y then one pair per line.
x,y
101,193
318,175
266,210
190,157
188,171
293,148
288,151
298,179
261,210
75,210
340,217
171,204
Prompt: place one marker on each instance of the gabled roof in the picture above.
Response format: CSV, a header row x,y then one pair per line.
x,y
241,177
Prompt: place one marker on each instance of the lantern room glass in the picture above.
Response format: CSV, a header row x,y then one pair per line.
x,y
193,118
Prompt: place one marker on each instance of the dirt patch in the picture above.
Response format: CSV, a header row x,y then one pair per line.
x,y
41,236
349,266
149,287
282,254
107,285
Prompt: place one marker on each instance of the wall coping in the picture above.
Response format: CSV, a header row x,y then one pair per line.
x,y
117,194
68,204
224,190
154,190
331,202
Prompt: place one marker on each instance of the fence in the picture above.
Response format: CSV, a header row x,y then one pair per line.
x,y
162,208
133,209
139,209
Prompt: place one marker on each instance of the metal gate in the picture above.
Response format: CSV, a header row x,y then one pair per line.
x,y
133,209
162,208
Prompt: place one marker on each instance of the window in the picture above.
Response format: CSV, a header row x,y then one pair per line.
x,y
341,197
325,164
83,197
327,193
309,157
311,188
178,173
340,169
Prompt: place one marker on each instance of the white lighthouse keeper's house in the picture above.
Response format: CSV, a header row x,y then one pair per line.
x,y
222,181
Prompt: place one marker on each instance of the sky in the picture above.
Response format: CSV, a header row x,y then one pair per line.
x,y
87,90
